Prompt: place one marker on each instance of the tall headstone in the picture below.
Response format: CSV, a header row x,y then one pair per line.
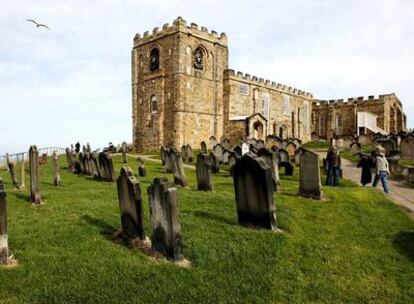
x,y
34,175
215,164
310,176
253,188
203,173
12,170
95,166
189,154
166,228
272,161
4,247
203,147
168,161
69,159
218,151
106,167
56,169
178,169
130,204
141,167
124,152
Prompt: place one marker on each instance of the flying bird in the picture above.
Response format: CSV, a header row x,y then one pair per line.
x,y
38,24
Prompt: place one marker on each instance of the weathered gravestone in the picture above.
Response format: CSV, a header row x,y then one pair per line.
x,y
166,228
106,167
215,164
184,153
203,173
95,166
178,169
253,189
283,155
310,176
218,151
89,165
298,154
168,161
162,153
22,174
260,144
4,247
272,161
291,149
130,204
34,175
12,171
355,148
189,152
141,167
56,169
212,142
232,161
226,144
82,163
226,154
364,139
124,148
203,147
69,159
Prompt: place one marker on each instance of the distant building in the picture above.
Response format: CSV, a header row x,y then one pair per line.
x,y
183,93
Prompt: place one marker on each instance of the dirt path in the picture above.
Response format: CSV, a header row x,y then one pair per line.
x,y
401,194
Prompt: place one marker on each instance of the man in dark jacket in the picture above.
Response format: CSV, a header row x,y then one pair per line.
x,y
333,163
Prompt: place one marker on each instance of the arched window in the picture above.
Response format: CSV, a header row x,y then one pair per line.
x,y
153,104
198,59
154,59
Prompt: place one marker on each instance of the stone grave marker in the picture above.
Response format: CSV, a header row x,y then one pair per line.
x,y
407,147
218,151
34,175
355,148
69,159
166,228
203,147
178,169
215,164
184,153
260,144
232,161
272,161
4,247
310,176
141,167
212,142
56,169
238,150
95,167
162,153
253,189
203,173
106,167
189,154
226,144
226,154
168,161
130,204
283,156
12,170
124,148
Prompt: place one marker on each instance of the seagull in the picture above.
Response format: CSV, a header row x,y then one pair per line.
x,y
38,24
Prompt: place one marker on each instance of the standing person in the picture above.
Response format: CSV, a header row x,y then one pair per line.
x,y
333,164
373,167
382,169
365,163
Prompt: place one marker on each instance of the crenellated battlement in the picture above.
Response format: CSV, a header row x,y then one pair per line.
x,y
352,100
266,83
180,25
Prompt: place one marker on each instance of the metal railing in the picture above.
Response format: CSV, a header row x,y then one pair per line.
x,y
18,157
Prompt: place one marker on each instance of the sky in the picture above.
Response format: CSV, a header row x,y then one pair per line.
x,y
73,82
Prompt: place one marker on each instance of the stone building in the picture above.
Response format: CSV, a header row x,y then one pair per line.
x,y
355,116
184,93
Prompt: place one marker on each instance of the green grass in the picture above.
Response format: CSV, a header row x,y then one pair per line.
x,y
355,247
347,153
317,144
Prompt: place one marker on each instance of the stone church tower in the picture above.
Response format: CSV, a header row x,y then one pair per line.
x,y
177,86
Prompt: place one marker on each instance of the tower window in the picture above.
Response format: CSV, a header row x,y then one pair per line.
x,y
154,59
153,104
198,59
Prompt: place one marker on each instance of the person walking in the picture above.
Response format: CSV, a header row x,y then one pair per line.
x,y
333,166
382,169
365,163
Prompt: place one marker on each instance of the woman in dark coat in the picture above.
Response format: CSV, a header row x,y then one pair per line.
x,y
365,162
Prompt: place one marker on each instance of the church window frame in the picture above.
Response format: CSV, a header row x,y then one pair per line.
x,y
154,63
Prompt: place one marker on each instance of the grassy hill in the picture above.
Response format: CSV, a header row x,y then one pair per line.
x,y
356,247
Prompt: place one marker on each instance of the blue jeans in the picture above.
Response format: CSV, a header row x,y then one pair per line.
x,y
332,176
383,177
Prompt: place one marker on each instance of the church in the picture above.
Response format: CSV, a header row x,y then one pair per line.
x,y
183,92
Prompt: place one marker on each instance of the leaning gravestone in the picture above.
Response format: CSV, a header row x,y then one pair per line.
x,y
34,175
12,171
4,248
310,176
272,161
189,154
203,173
203,147
166,228
56,169
95,167
254,192
178,169
215,164
141,167
106,167
130,204
124,152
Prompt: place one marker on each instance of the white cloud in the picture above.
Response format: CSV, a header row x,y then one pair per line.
x,y
73,82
